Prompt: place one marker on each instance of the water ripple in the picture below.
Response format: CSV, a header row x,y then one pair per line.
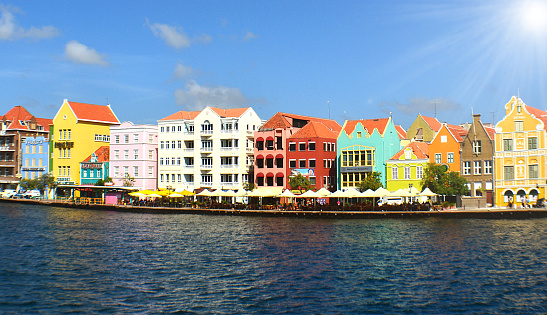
x,y
56,260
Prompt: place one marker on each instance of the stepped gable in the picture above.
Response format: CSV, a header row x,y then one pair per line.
x,y
379,124
93,113
314,129
285,121
420,149
102,153
19,114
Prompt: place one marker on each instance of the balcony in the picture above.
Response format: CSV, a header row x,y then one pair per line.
x,y
250,133
206,184
225,166
188,167
206,150
226,149
229,185
206,133
189,133
206,167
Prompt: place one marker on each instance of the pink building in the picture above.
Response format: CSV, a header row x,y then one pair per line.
x,y
270,168
133,153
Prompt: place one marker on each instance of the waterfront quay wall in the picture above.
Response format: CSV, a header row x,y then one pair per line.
x,y
490,213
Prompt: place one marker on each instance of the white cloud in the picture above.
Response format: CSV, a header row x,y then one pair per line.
x,y
182,72
415,105
80,53
250,36
9,30
175,36
197,97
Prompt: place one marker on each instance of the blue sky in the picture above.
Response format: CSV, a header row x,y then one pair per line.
x,y
361,59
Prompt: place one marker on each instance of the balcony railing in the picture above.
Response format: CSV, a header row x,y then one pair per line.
x,y
229,148
206,149
188,133
206,184
229,165
206,167
191,150
206,132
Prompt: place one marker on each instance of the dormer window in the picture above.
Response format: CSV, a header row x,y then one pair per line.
x,y
22,123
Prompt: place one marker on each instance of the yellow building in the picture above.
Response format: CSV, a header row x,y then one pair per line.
x,y
520,148
78,130
406,168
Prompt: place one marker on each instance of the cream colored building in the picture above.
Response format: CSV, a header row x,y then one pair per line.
x,y
212,148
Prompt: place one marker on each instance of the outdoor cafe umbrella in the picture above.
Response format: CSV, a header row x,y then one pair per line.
x,y
175,195
337,194
427,193
287,193
186,193
323,192
352,193
369,193
205,193
154,196
241,193
382,192
308,194
137,194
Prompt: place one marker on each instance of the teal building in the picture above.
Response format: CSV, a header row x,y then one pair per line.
x,y
363,147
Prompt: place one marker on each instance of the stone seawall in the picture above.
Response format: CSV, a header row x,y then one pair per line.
x,y
490,213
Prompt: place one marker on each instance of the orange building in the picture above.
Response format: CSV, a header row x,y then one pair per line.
x,y
444,149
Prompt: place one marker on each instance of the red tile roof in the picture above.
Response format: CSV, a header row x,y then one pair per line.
x,y
103,154
420,149
285,121
541,115
230,112
401,132
458,132
491,132
182,115
19,114
93,113
432,122
314,129
369,125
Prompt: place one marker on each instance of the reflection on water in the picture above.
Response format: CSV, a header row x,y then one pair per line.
x,y
62,260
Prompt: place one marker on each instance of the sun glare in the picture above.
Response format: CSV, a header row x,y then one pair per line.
x,y
534,16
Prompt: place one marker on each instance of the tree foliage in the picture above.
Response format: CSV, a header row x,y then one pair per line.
x,y
249,186
439,180
128,181
40,183
299,182
372,181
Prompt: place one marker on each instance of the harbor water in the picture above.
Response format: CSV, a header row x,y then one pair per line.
x,y
57,260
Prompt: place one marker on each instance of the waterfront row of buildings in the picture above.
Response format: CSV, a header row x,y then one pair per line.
x,y
232,148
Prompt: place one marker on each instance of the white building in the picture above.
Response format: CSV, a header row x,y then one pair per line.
x,y
133,151
212,148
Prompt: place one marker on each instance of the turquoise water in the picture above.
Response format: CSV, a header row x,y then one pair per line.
x,y
55,260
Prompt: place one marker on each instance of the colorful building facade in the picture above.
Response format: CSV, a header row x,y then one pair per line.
x,y
364,146
406,168
477,159
134,151
272,146
312,153
35,157
212,148
15,126
79,129
520,154
444,149
95,167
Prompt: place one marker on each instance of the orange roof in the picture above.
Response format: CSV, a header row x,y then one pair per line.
x,y
541,115
458,132
230,112
102,153
19,114
491,132
314,129
401,132
369,125
420,149
93,113
432,122
285,121
182,115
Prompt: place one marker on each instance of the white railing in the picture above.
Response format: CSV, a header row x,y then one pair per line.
x,y
206,184
206,167
206,132
229,166
206,149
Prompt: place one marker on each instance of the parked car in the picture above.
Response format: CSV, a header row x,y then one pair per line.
x,y
390,201
33,194
8,193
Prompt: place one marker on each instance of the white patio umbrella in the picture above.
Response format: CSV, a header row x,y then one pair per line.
x,y
308,194
382,192
352,193
323,192
241,193
286,193
205,193
369,193
427,193
337,194
175,195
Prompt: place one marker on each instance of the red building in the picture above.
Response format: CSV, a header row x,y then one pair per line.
x,y
312,153
271,146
